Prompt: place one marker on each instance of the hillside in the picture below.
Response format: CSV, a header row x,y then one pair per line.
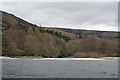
x,y
11,20
25,39
100,34
21,38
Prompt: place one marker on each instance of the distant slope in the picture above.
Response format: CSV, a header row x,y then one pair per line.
x,y
72,36
100,34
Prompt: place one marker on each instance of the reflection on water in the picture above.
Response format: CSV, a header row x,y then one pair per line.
x,y
55,68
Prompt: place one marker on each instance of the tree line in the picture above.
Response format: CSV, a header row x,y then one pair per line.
x,y
36,41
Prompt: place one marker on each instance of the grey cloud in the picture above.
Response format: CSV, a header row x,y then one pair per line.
x,y
80,15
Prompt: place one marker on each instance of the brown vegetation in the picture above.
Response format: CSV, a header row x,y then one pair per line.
x,y
31,43
93,47
36,43
20,38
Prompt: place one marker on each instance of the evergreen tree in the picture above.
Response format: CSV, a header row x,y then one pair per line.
x,y
25,28
30,29
5,45
80,36
41,30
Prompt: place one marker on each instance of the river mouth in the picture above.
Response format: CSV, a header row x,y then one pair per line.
x,y
60,67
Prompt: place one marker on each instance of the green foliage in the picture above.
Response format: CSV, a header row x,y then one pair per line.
x,y
23,54
61,55
85,35
25,28
5,44
30,29
59,35
41,30
5,27
80,36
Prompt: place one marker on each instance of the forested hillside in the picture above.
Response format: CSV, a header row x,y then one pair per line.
x,y
100,34
21,38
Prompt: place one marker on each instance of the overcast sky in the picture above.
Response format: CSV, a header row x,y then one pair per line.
x,y
77,15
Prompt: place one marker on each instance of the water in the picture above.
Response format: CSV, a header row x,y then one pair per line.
x,y
59,68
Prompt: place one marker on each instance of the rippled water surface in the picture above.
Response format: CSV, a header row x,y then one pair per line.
x,y
59,68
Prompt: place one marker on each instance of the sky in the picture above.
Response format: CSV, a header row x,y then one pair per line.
x,y
101,16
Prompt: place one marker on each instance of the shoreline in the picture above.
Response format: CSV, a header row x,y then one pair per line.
x,y
69,58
